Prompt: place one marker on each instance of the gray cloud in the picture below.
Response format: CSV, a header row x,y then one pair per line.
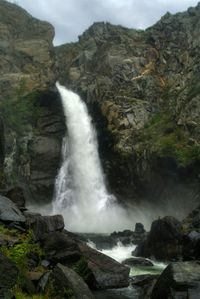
x,y
71,17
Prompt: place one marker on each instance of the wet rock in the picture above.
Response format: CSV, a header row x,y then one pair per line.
x,y
163,241
141,280
60,248
145,284
127,237
41,225
137,262
178,280
107,272
9,211
8,277
101,241
66,282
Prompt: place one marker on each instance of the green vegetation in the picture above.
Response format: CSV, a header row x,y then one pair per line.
x,y
20,109
163,137
19,253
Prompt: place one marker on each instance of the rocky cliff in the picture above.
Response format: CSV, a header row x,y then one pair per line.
x,y
141,88
143,91
30,112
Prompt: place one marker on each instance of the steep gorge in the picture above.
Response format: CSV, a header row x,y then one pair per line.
x,y
141,88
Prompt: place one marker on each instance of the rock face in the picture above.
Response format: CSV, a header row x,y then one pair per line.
x,y
41,225
31,111
178,280
141,88
26,49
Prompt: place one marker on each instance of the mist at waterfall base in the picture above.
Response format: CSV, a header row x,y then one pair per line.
x,y
80,191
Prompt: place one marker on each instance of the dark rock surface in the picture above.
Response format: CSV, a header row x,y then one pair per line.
x,y
65,279
163,241
9,211
16,194
145,283
60,248
127,237
41,225
107,272
8,277
178,280
30,148
137,262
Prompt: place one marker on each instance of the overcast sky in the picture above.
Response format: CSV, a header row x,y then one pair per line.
x,y
71,17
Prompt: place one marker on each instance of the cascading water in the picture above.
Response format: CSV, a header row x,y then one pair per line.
x,y
80,192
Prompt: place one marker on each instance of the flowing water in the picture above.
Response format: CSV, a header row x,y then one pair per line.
x,y
80,191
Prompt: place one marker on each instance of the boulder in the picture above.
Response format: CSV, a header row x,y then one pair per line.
x,y
41,225
145,284
137,262
9,212
8,277
60,248
178,280
107,273
67,282
16,194
163,241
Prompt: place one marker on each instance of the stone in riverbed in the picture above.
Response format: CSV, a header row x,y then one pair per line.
x,y
178,280
9,212
137,262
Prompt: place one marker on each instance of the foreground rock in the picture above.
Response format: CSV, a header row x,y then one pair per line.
x,y
163,241
8,277
41,225
68,284
60,248
107,272
145,283
9,211
178,280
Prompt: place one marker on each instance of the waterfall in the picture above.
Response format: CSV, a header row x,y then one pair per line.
x,y
80,191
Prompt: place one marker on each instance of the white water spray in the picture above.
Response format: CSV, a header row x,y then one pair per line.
x,y
80,192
